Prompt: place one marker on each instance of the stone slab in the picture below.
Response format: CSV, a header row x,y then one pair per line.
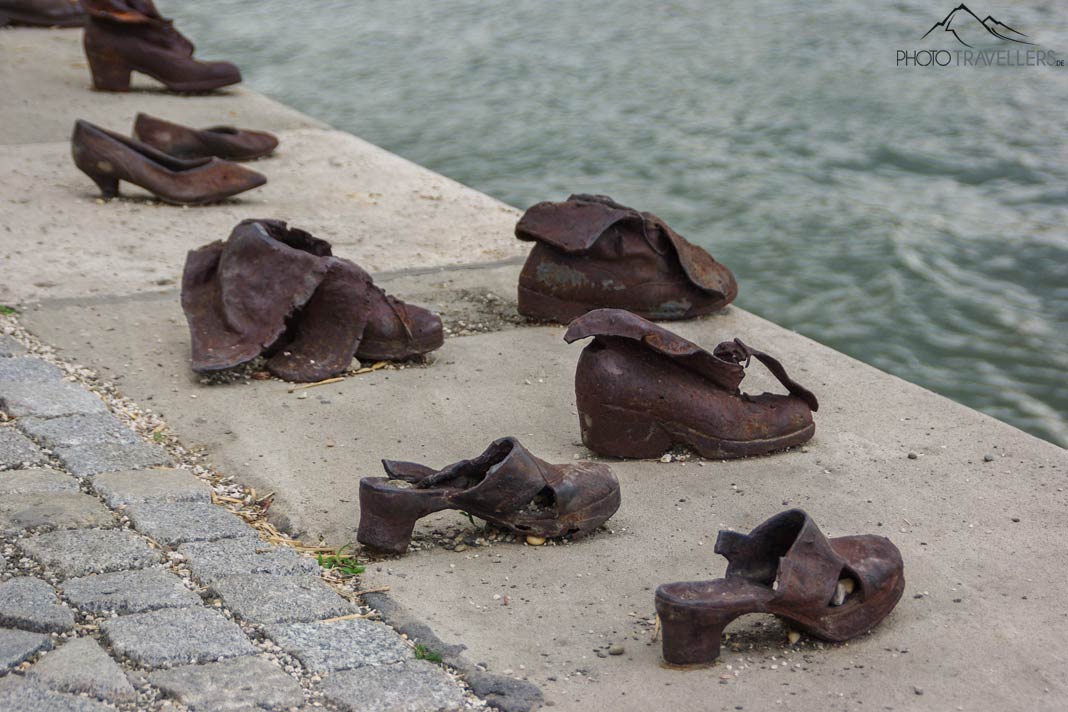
x,y
59,510
27,369
230,686
77,553
9,347
265,598
173,523
16,450
30,604
340,645
18,646
411,686
48,400
95,458
18,693
211,560
71,430
81,666
176,637
151,485
37,480
125,592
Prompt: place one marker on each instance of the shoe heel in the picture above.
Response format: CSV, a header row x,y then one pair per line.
x,y
5,19
616,432
542,307
109,185
387,535
110,72
388,516
691,635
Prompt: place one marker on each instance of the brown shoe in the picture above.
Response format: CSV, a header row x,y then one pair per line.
x,y
108,157
219,141
275,290
834,589
641,389
42,13
592,252
506,486
123,36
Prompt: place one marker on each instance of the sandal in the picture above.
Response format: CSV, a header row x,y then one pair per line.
x,y
506,486
832,589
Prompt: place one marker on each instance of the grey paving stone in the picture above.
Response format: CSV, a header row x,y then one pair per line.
x,y
125,592
39,480
9,347
86,551
179,636
48,400
230,685
16,450
68,430
211,560
413,686
30,604
177,523
131,486
27,369
92,459
59,510
265,598
21,695
340,645
18,646
81,666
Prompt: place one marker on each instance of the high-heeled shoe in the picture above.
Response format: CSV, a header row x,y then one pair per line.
x,y
108,158
833,589
224,142
505,485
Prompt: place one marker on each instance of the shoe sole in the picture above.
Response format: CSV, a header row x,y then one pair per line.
x,y
542,307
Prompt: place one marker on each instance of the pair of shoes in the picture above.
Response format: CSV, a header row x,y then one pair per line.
x,y
275,290
42,13
193,175
123,36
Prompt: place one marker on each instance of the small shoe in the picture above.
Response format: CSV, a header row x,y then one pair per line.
x,y
641,389
506,486
123,36
42,13
591,252
108,157
220,141
833,589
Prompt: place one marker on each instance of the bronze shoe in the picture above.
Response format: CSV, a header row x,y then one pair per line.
x,y
506,486
224,142
42,13
108,158
641,389
833,589
591,252
278,291
123,36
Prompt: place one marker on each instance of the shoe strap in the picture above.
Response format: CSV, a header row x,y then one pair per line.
x,y
737,352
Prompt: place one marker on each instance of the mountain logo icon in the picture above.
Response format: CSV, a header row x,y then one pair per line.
x,y
969,30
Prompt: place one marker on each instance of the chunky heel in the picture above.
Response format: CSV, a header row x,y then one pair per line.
x,y
387,520
691,642
622,433
109,185
5,19
110,72
388,535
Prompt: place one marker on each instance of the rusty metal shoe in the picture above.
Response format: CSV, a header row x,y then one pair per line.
x,y
42,13
108,157
640,389
225,142
506,485
123,36
591,252
833,589
278,291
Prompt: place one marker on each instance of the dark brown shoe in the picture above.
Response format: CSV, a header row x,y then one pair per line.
x,y
591,252
506,486
832,589
275,290
220,141
42,13
108,158
123,36
640,389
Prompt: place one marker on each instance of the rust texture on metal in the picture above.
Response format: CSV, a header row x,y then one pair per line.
x,y
506,486
833,589
641,389
42,13
278,291
227,142
591,252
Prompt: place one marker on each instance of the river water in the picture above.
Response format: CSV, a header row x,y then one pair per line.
x,y
913,217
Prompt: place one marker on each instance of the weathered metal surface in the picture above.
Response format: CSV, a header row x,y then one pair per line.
x,y
506,485
592,252
42,13
227,142
640,389
833,589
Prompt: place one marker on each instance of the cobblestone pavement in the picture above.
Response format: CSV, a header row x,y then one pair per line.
x,y
123,586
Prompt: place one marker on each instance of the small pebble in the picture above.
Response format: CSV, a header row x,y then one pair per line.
x,y
460,547
988,457
913,456
615,649
792,637
918,690
665,458
535,540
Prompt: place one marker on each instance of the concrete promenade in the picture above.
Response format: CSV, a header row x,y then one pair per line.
x,y
976,506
